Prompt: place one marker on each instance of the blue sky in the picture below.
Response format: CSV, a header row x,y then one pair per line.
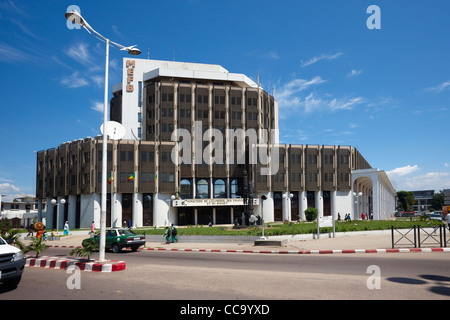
x,y
385,91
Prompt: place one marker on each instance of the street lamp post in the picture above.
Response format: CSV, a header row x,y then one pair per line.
x,y
263,197
76,17
55,203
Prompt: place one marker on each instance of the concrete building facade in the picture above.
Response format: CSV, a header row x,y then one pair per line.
x,y
201,145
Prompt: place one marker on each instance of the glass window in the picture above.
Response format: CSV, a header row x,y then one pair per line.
x,y
185,189
202,189
234,190
219,189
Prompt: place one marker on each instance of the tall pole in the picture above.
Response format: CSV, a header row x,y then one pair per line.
x,y
101,252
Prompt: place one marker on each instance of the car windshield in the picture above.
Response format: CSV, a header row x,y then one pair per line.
x,y
126,232
2,241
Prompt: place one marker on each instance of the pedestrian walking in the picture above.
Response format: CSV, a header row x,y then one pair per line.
x,y
174,232
52,235
66,228
92,229
30,231
167,235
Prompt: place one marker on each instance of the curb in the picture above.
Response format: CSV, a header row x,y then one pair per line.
x,y
306,251
343,251
64,263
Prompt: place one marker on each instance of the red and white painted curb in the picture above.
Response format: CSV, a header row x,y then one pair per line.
x,y
343,251
64,263
307,251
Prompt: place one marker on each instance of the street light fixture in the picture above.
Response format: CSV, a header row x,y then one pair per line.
x,y
76,17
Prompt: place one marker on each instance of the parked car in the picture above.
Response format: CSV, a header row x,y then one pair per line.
x,y
12,263
119,238
435,216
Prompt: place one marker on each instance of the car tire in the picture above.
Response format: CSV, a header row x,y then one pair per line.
x,y
115,248
134,249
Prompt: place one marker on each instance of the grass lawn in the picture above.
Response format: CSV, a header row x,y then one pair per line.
x,y
273,229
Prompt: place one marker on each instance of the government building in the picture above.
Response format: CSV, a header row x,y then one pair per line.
x,y
201,146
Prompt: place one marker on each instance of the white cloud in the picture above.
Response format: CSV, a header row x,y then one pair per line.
x,y
428,181
344,104
11,54
9,191
402,171
290,99
80,53
97,106
74,81
322,57
408,178
354,73
440,87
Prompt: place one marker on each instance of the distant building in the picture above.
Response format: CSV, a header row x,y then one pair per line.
x,y
446,197
213,170
423,200
22,211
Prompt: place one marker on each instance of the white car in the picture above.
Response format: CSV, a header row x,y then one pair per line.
x,y
435,216
12,263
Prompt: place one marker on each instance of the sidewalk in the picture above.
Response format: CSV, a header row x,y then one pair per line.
x,y
350,242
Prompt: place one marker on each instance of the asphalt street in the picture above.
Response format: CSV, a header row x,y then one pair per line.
x,y
200,276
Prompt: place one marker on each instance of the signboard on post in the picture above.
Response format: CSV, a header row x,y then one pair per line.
x,y
324,222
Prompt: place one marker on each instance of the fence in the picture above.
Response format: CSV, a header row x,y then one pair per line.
x,y
421,236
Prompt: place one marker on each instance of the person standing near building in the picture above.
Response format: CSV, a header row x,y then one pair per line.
x,y
66,228
167,234
174,232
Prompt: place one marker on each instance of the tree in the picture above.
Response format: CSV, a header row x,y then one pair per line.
x,y
438,200
37,245
406,200
86,250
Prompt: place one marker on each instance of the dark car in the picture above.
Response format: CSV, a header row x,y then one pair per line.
x,y
118,238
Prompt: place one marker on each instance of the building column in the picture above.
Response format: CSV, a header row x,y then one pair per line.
x,y
334,212
116,214
138,210
72,210
319,202
232,215
303,204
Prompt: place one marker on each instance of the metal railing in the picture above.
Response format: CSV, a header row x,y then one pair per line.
x,y
419,236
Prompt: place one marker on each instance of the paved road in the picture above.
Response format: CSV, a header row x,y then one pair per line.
x,y
217,276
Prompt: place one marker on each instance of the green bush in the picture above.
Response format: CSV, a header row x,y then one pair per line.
x,y
311,214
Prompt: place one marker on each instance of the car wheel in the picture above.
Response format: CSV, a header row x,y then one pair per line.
x,y
115,248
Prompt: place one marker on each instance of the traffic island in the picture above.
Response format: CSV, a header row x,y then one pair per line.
x,y
66,262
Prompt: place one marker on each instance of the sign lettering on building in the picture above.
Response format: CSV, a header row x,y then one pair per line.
x,y
210,202
130,75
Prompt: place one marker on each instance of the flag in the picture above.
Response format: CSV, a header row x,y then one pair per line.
x,y
131,177
156,177
110,179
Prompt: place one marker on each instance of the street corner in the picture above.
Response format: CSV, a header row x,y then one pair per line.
x,y
65,262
